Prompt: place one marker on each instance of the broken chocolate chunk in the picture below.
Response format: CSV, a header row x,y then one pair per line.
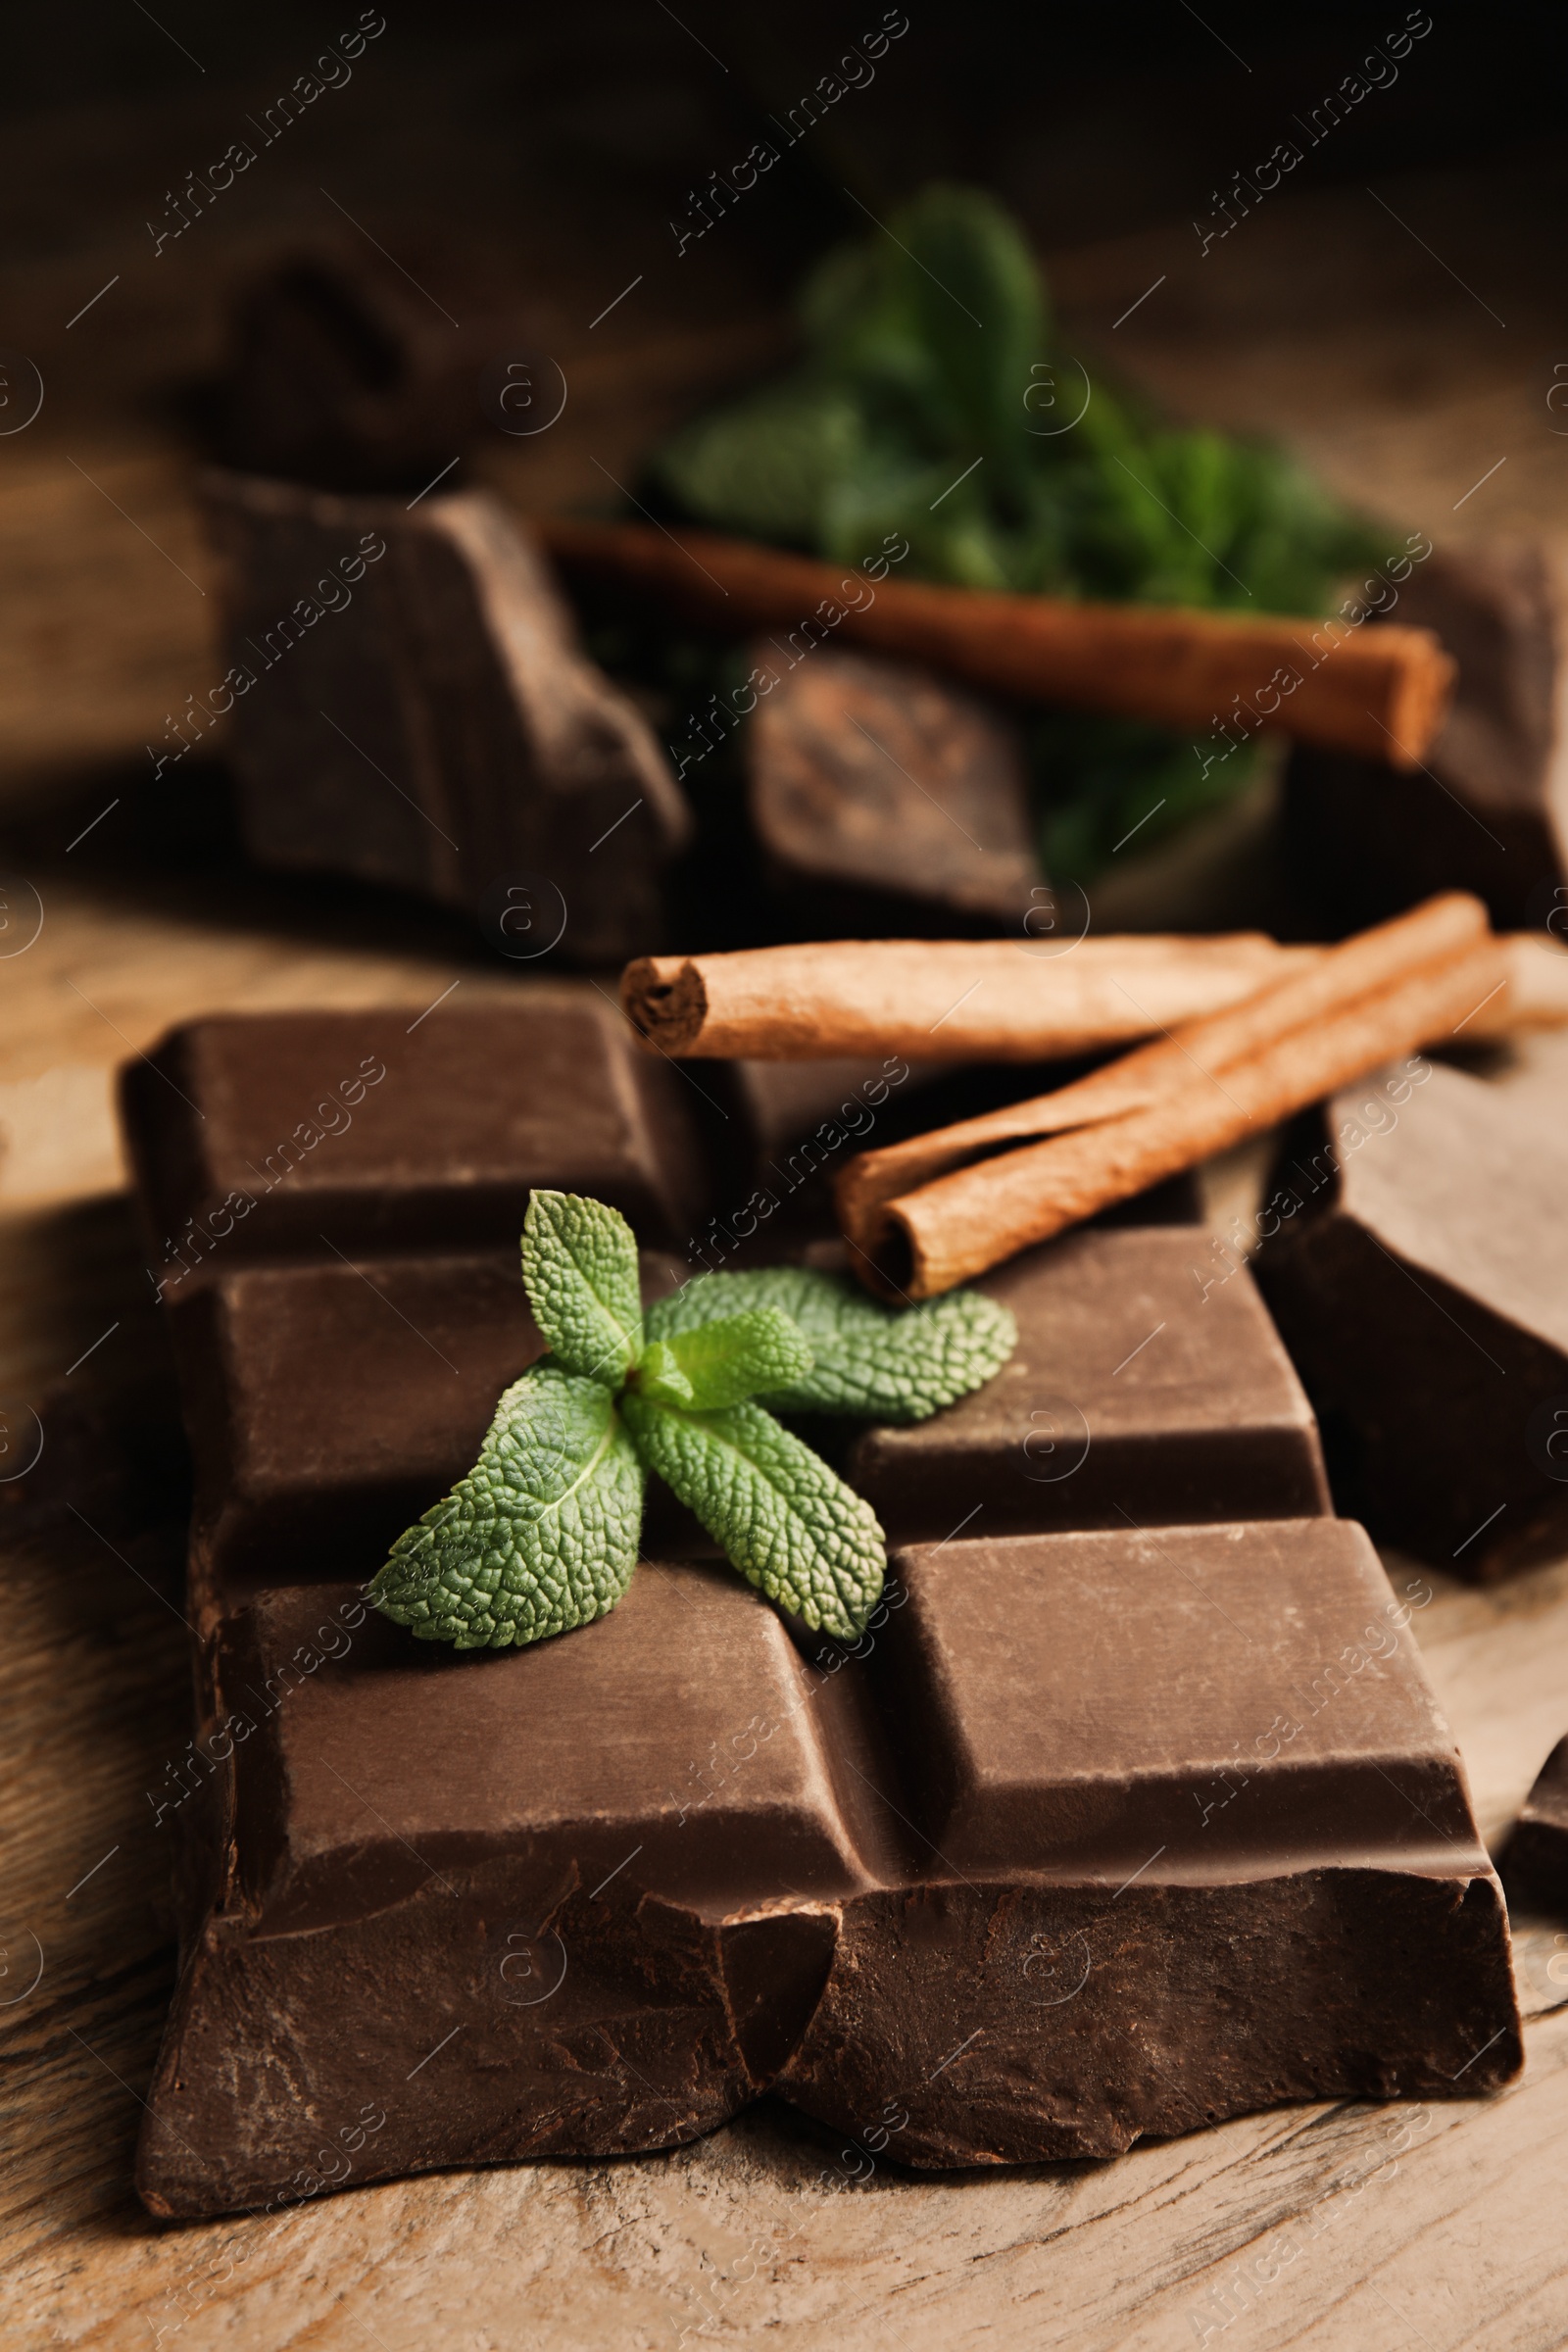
x,y
1416,1263
1485,811
1111,1834
883,792
411,707
344,372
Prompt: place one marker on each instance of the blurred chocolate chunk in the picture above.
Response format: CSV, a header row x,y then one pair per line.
x,y
410,705
344,372
885,797
1486,811
1132,1398
1535,1861
1416,1263
304,1132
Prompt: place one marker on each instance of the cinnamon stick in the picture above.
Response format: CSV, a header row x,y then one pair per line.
x,y
1335,977
942,1000
1381,692
1407,984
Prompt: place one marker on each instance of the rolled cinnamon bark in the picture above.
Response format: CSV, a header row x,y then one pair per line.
x,y
943,1232
942,1000
1333,979
1383,692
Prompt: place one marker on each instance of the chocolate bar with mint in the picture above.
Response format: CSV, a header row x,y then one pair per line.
x,y
1100,1834
1099,1831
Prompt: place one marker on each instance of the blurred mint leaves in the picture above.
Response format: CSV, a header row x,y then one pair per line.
x,y
932,349
542,1535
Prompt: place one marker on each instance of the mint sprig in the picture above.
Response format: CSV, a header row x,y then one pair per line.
x,y
870,1360
542,1533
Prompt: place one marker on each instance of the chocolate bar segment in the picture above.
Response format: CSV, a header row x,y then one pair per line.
x,y
329,1405
1198,1840
1133,1397
298,1133
555,1902
1416,1261
596,1895
1535,1861
410,705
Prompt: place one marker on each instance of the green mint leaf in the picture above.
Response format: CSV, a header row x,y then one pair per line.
x,y
737,1356
579,1262
658,1375
885,1363
539,1537
792,1528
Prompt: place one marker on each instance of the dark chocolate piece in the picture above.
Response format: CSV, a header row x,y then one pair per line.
x,y
303,1132
596,1895
1132,1398
1193,1815
327,1405
345,374
881,792
411,705
1417,1267
1484,811
1535,1861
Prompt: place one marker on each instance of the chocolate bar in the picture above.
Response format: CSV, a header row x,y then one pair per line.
x,y
1416,1264
298,1133
1132,1397
1480,811
597,1896
407,703
1096,1833
883,797
1535,1861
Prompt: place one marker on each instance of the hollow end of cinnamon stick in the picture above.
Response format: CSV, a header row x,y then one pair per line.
x,y
664,999
889,1261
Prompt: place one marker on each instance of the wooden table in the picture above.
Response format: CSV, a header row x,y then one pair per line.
x,y
1337,2226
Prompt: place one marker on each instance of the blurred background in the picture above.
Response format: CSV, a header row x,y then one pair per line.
x,y
1389,316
